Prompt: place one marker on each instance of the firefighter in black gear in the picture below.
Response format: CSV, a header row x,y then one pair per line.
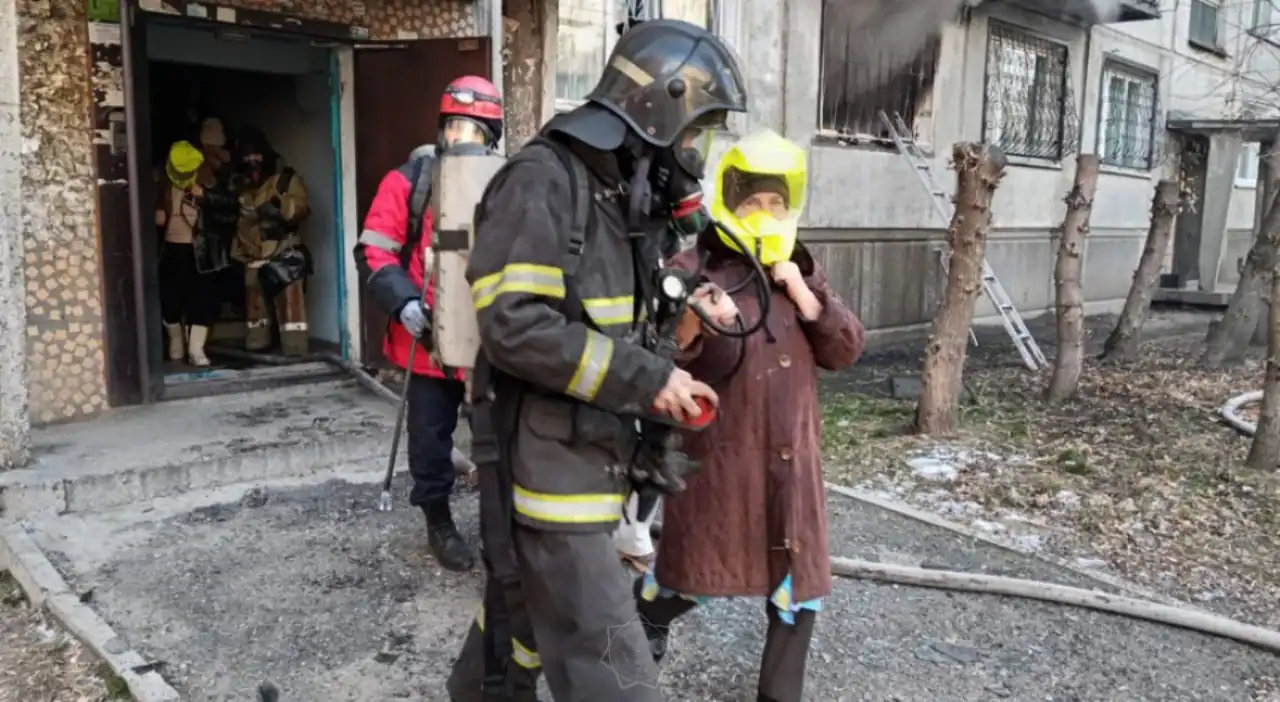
x,y
565,251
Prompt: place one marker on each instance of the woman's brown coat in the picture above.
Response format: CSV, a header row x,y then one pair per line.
x,y
758,508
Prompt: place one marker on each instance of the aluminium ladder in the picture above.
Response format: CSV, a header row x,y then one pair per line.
x,y
1032,356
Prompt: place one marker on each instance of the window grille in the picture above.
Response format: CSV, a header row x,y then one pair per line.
x,y
857,84
1127,117
1027,112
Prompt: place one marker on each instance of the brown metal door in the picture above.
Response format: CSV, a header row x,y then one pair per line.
x,y
397,101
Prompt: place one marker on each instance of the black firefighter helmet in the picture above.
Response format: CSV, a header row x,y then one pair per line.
x,y
663,77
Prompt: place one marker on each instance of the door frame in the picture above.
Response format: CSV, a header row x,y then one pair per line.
x,y
136,66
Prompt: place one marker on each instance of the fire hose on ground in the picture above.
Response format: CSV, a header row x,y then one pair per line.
x,y
978,583
1231,412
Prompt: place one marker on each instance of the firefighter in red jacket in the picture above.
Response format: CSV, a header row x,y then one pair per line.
x,y
390,257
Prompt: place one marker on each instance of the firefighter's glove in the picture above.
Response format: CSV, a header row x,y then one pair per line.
x,y
416,319
663,464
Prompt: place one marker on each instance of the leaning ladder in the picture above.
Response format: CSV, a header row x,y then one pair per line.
x,y
942,204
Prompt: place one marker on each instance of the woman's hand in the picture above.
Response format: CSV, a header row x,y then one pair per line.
x,y
716,304
787,274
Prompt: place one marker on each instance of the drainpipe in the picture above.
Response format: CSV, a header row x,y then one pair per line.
x,y
495,58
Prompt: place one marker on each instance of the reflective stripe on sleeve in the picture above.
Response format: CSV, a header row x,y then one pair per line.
x,y
378,240
568,509
593,366
608,311
530,278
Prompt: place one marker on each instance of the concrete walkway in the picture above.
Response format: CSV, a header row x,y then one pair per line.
x,y
304,583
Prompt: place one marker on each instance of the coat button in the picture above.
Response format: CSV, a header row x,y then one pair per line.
x,y
784,360
785,454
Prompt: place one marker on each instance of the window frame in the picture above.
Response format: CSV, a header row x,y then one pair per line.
x,y
1064,87
1134,76
613,11
1216,44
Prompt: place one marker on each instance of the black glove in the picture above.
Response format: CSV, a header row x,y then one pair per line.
x,y
660,462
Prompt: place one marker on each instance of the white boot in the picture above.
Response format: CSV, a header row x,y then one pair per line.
x,y
177,345
195,346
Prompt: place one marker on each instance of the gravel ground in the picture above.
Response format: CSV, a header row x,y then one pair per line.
x,y
312,589
39,662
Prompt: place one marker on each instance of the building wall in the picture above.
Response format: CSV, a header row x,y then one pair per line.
x,y
871,221
69,91
14,418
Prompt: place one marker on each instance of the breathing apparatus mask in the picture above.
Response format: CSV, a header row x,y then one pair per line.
x,y
760,192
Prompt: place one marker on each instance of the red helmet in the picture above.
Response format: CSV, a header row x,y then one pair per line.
x,y
476,99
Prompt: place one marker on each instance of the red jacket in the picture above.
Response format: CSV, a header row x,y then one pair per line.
x,y
378,260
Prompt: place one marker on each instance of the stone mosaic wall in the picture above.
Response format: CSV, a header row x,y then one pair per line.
x,y
64,334
65,330
385,19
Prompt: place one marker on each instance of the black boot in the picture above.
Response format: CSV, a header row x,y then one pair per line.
x,y
446,543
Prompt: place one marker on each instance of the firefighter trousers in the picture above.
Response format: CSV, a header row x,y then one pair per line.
x,y
580,602
290,314
504,612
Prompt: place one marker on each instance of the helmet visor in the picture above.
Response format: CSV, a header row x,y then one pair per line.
x,y
460,130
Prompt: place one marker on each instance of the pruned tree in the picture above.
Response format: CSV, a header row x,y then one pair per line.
x,y
1229,337
1264,453
1122,343
979,169
1066,277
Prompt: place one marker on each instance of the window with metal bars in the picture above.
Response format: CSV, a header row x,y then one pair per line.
x,y
1206,23
1127,116
1025,102
861,78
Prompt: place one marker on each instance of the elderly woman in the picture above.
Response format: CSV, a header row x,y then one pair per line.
x,y
753,521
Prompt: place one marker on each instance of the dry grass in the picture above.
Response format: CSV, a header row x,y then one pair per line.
x,y
41,663
1137,472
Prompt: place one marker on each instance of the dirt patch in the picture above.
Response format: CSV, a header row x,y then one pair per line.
x,y
41,662
1136,475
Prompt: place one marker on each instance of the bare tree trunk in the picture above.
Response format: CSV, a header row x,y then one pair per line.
x,y
1066,277
1229,337
1264,454
979,168
1123,341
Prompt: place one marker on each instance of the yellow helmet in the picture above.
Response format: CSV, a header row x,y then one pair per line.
x,y
184,160
761,159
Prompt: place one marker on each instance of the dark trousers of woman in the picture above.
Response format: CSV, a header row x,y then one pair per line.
x,y
185,293
786,647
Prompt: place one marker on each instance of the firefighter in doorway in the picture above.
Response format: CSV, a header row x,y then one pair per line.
x,y
562,310
391,257
276,264
188,298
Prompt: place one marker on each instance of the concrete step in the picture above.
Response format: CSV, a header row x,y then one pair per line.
x,y
136,454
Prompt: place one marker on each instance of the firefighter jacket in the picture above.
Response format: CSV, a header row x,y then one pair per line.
x,y
562,338
382,263
270,214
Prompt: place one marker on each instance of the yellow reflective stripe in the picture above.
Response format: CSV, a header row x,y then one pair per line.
x,y
611,310
568,509
593,366
524,656
531,278
378,240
